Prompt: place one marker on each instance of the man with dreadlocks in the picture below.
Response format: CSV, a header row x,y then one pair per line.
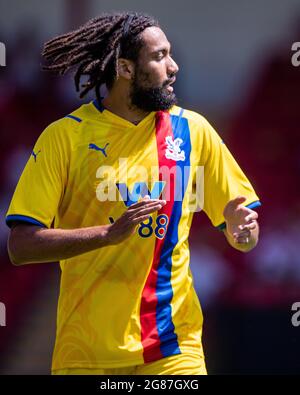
x,y
108,192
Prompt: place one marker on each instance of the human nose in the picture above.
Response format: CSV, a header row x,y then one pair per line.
x,y
173,66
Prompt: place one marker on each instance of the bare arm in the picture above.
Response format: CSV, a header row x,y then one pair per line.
x,y
33,244
242,228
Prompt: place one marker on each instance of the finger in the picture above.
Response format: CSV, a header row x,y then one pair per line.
x,y
251,217
238,200
145,203
245,233
233,204
145,211
243,240
250,226
153,206
140,219
243,236
149,209
244,216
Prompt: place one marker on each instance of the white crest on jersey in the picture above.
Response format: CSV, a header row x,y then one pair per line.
x,y
173,150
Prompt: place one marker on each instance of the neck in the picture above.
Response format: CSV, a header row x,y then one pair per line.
x,y
118,102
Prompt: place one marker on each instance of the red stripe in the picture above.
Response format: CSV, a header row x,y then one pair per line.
x,y
149,334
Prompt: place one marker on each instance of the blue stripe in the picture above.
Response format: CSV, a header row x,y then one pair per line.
x,y
73,117
98,105
164,291
23,218
252,205
222,226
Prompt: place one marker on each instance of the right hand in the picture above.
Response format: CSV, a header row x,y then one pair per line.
x,y
240,220
138,212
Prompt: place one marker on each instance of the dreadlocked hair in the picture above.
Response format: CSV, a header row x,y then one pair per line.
x,y
95,47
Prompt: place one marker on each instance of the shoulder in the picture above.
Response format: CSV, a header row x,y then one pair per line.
x,y
205,140
200,127
195,119
65,128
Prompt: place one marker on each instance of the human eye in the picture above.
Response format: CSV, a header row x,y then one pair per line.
x,y
160,55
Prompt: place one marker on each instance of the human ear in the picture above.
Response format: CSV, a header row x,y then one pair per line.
x,y
125,68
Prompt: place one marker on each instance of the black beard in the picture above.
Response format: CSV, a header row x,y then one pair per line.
x,y
151,99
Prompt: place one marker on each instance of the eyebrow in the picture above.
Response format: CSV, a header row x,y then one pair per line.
x,y
162,49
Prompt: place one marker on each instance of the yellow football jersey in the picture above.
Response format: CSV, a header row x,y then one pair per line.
x,y
133,302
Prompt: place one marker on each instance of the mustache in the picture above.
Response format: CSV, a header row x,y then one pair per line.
x,y
170,80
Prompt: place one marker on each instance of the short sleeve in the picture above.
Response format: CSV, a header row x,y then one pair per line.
x,y
223,178
41,186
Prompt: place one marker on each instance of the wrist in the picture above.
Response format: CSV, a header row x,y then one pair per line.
x,y
104,235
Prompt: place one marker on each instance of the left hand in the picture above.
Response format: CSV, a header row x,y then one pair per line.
x,y
240,220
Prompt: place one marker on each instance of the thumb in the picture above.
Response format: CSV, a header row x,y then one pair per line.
x,y
232,205
238,200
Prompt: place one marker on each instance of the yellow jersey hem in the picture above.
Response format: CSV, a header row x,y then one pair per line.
x,y
119,364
